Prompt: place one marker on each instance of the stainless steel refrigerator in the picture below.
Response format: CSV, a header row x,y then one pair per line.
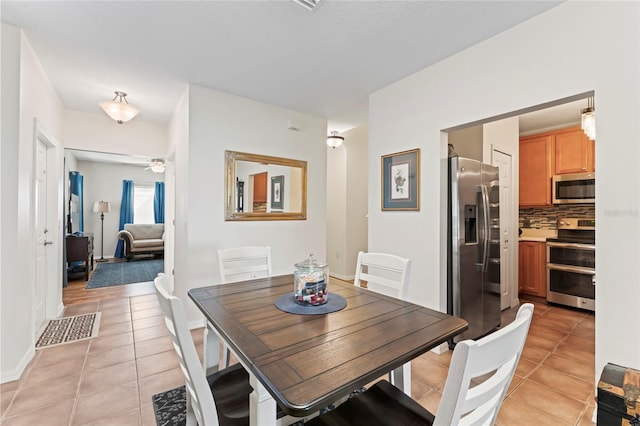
x,y
473,279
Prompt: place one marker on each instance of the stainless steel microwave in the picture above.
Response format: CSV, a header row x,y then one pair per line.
x,y
574,188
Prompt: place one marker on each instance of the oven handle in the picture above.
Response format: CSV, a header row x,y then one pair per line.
x,y
571,245
576,269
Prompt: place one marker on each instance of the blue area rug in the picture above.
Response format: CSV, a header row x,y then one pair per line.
x,y
117,273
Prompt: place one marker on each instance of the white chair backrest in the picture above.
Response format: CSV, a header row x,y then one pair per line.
x,y
244,263
384,273
498,352
198,391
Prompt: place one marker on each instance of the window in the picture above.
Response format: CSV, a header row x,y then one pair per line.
x,y
143,203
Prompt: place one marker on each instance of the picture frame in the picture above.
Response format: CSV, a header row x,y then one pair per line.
x,y
401,180
277,192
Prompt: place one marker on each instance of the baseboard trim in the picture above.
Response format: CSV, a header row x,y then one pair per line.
x,y
440,349
16,373
199,323
342,277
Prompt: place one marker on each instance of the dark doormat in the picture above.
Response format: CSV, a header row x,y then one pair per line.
x,y
170,407
118,273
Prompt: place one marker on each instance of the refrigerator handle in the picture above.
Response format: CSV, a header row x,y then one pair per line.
x,y
486,230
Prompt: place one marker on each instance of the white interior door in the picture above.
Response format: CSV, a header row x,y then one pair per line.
x,y
503,161
41,242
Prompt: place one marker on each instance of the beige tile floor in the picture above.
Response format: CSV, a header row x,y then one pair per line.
x,y
109,380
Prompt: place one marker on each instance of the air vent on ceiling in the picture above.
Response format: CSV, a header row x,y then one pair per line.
x,y
308,4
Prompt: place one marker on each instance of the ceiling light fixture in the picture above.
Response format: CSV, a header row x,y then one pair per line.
x,y
156,165
120,110
310,5
589,119
334,140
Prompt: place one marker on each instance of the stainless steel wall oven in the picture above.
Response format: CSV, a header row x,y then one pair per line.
x,y
571,264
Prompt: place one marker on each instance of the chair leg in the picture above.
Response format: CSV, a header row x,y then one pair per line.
x,y
191,416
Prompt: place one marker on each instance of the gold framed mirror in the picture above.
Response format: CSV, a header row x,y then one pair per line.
x,y
261,187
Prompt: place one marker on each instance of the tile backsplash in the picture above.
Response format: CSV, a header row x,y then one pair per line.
x,y
547,218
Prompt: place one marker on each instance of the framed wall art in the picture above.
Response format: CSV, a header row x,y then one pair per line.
x,y
277,192
401,180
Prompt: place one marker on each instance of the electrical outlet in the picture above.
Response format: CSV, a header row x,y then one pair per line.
x,y
337,255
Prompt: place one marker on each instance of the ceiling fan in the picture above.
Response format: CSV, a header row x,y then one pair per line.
x,y
156,165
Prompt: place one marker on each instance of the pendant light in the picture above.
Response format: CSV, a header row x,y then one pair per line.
x,y
119,108
334,140
589,119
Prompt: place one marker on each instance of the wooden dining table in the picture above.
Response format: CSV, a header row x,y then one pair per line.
x,y
303,363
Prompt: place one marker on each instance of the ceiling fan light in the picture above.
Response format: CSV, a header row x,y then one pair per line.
x,y
334,140
119,109
157,166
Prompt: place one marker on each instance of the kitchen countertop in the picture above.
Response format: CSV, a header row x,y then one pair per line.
x,y
538,235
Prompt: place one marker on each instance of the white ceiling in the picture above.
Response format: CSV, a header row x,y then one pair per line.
x,y
323,63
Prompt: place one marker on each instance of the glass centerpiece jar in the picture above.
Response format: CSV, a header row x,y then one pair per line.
x,y
311,280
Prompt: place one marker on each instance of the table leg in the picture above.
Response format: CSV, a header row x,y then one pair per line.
x,y
210,349
262,406
401,378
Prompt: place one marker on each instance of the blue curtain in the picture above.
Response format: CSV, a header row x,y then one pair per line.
x,y
126,212
75,184
158,203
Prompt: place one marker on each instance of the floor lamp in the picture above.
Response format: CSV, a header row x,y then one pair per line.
x,y
101,207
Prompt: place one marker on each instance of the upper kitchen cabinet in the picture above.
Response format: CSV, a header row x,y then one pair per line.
x,y
574,152
551,153
536,155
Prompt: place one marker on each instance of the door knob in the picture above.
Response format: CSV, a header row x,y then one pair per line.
x,y
46,243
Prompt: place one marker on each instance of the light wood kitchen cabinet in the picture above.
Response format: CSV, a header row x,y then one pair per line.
x,y
551,153
532,265
535,173
574,152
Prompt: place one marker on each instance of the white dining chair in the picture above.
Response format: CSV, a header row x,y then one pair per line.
x,y
238,264
383,273
244,263
387,274
221,398
463,402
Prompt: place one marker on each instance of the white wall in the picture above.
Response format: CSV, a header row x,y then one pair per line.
x,y
176,193
541,60
98,132
357,142
467,142
10,353
337,231
219,122
103,182
26,95
347,195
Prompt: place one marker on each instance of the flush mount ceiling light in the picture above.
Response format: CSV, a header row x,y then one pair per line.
x,y
156,165
119,109
334,140
308,4
589,119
